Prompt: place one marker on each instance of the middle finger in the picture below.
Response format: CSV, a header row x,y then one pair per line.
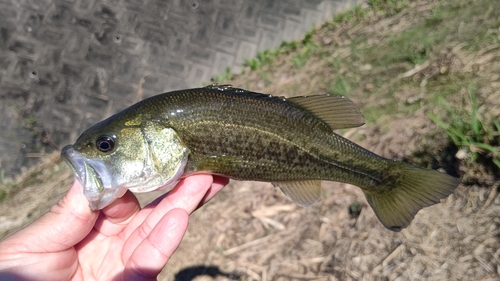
x,y
187,195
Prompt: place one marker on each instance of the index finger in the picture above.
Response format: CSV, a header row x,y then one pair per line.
x,y
187,195
217,184
116,217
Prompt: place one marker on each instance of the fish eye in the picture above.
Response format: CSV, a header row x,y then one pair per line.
x,y
105,144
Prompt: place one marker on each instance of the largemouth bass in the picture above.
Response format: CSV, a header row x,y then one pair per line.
x,y
245,135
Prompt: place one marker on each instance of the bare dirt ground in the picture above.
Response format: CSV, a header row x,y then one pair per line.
x,y
252,232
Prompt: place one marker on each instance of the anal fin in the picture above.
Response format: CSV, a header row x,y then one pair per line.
x,y
303,193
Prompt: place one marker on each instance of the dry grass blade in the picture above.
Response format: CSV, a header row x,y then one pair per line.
x,y
247,245
415,70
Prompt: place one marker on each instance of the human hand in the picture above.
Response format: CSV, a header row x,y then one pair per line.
x,y
120,242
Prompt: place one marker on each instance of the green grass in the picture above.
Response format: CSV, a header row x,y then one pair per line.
x,y
263,58
303,55
341,86
303,49
226,76
466,129
6,186
343,17
446,23
389,7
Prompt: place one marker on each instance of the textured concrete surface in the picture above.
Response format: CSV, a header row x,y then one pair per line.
x,y
66,64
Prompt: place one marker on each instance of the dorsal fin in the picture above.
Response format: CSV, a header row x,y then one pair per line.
x,y
337,111
303,193
221,87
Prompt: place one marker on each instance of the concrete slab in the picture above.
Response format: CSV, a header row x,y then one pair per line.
x,y
67,64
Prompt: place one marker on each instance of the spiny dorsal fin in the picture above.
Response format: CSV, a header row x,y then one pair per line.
x,y
303,193
337,111
221,87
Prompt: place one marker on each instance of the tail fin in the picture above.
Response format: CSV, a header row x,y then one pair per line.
x,y
414,188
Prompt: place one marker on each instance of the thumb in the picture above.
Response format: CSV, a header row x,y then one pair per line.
x,y
66,224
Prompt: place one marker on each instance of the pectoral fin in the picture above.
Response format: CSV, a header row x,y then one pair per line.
x,y
303,193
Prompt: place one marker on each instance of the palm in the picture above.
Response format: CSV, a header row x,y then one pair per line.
x,y
102,260
120,243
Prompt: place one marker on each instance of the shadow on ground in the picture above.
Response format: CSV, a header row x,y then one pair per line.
x,y
191,272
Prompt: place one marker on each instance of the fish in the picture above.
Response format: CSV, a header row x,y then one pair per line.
x,y
249,136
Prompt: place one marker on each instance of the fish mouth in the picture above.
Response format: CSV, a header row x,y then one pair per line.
x,y
95,176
